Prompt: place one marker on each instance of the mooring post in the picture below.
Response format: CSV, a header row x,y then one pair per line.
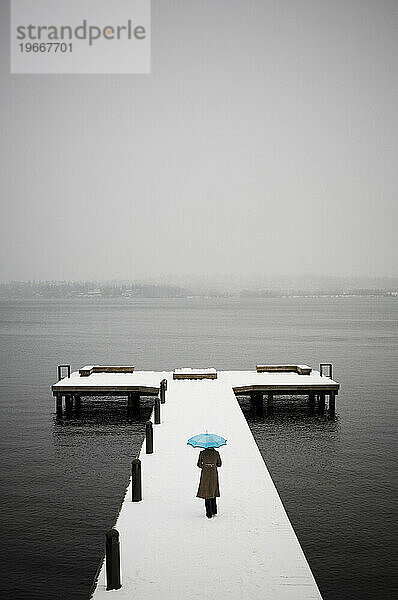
x,y
332,404
163,388
321,402
311,400
149,437
112,560
157,411
136,480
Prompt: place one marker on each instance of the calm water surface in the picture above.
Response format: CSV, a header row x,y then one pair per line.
x,y
63,480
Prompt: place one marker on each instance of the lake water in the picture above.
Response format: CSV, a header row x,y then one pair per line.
x,y
63,480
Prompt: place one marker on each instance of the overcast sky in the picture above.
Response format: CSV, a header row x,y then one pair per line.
x,y
263,142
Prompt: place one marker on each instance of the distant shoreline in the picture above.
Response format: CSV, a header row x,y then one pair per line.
x,y
102,290
225,296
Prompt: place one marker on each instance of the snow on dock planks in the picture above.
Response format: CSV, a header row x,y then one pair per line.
x,y
162,546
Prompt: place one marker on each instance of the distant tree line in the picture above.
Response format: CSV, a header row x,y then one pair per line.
x,y
73,289
94,289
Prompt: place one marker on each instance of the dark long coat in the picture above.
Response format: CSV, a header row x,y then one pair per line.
x,y
209,460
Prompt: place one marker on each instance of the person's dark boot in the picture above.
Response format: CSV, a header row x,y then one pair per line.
x,y
214,506
209,512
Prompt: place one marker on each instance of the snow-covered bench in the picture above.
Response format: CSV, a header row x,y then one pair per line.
x,y
300,369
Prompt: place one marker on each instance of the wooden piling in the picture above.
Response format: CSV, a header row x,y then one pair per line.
x,y
136,480
68,404
321,402
270,405
257,400
77,404
133,403
58,405
332,404
112,560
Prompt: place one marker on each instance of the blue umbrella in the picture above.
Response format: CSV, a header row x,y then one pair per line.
x,y
206,440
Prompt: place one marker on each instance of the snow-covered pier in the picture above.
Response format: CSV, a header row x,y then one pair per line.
x,y
168,549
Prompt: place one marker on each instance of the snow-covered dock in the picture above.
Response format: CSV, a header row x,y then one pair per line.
x,y
168,548
266,381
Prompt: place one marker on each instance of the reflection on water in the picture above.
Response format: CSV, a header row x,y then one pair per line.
x,y
94,411
286,410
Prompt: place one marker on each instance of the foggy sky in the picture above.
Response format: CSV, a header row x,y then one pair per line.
x,y
263,143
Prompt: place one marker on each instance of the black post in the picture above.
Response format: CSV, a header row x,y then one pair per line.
x,y
163,388
149,437
112,560
157,411
311,400
136,480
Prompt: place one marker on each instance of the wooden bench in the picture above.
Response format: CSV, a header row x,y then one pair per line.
x,y
299,369
88,370
195,374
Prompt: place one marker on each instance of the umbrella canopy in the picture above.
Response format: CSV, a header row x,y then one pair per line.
x,y
206,440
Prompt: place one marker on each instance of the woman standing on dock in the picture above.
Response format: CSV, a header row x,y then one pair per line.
x,y
209,460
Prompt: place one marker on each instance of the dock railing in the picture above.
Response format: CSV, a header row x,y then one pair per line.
x,y
328,367
59,371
